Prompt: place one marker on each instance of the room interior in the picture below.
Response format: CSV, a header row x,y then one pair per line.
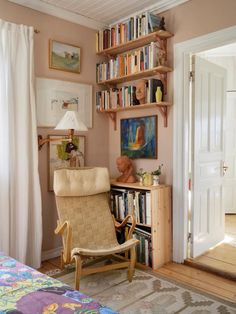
x,y
76,23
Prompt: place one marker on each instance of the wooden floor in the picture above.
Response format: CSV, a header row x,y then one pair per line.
x,y
222,258
202,280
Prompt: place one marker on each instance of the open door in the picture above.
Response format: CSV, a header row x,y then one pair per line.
x,y
208,112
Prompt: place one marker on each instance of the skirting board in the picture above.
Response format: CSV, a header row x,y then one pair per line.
x,y
46,255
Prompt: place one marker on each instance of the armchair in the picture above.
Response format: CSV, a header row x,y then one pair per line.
x,y
86,224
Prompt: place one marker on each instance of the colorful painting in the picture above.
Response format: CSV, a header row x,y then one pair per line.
x,y
64,154
64,57
139,137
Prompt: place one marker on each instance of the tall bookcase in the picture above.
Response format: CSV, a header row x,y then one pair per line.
x,y
161,221
161,69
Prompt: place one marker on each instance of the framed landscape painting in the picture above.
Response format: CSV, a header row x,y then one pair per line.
x,y
64,57
139,137
63,156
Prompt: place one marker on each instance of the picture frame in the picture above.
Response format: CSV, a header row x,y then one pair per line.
x,y
138,137
64,57
55,97
58,158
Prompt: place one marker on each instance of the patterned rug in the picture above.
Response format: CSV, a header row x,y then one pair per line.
x,y
148,293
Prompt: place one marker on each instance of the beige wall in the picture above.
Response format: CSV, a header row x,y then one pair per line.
x,y
191,19
97,137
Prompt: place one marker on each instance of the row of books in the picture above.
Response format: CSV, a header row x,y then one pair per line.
x,y
141,59
137,203
126,96
133,28
144,248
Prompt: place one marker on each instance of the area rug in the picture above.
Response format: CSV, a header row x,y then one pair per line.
x,y
148,293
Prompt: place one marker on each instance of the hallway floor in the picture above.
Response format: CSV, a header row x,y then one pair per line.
x,y
222,258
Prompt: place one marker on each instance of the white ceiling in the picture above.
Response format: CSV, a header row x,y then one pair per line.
x,y
97,13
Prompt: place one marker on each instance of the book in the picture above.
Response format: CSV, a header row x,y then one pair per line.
x,y
153,22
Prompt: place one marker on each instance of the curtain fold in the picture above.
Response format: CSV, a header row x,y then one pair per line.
x,y
20,195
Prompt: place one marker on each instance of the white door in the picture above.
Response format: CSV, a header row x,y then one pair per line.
x,y
208,112
229,189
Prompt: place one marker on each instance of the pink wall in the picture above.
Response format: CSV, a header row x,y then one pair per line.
x,y
191,19
97,137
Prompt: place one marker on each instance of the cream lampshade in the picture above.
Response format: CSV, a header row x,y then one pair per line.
x,y
71,122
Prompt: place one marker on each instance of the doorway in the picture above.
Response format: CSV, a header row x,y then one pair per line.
x,y
182,52
212,160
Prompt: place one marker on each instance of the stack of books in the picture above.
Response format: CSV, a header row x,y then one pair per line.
x,y
134,61
144,248
133,28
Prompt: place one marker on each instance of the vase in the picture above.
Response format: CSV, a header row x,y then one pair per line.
x,y
156,180
147,179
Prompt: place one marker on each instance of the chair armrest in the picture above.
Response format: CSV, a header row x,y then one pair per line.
x,y
66,239
124,223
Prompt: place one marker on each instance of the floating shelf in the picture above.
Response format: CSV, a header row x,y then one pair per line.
x,y
135,76
135,43
161,106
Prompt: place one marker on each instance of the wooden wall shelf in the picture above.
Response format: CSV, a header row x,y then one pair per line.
x,y
138,75
135,43
161,106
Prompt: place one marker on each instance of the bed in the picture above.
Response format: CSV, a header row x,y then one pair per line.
x,y
24,290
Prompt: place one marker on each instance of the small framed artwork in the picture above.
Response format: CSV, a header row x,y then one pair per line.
x,y
138,137
64,154
64,56
55,97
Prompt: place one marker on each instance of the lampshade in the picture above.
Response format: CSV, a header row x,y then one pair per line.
x,y
71,120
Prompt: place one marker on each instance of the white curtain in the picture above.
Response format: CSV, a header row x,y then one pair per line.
x,y
20,195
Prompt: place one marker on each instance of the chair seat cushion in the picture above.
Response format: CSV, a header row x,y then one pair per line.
x,y
106,251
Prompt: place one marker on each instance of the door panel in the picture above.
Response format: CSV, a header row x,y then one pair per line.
x,y
208,110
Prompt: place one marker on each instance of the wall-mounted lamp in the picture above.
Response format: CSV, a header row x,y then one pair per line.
x,y
71,122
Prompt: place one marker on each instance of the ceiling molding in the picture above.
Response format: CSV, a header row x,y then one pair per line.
x,y
159,7
61,13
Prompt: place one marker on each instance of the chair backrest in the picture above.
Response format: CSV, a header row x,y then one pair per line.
x,y
82,199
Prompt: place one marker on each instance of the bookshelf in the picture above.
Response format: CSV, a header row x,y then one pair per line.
x,y
159,222
117,70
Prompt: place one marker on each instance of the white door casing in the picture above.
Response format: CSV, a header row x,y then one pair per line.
x,y
182,52
229,188
209,93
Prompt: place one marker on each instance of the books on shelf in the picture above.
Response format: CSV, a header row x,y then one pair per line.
x,y
144,248
137,203
116,98
133,28
134,61
151,87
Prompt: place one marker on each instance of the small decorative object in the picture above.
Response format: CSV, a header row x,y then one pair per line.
x,y
63,153
125,166
147,179
156,175
64,57
158,94
141,175
140,92
162,24
139,137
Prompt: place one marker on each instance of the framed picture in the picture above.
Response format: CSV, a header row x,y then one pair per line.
x,y
64,57
139,137
55,97
63,153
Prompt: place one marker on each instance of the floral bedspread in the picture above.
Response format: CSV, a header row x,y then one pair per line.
x,y
24,290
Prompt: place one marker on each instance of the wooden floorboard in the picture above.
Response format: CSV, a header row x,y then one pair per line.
x,y
204,281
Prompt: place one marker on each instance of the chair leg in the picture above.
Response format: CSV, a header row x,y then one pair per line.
x,y
78,270
62,260
132,263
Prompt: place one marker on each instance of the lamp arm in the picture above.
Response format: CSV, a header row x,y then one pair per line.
x,y
42,141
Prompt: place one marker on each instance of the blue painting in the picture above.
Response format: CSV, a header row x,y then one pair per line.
x,y
139,137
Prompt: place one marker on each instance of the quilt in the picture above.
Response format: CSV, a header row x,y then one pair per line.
x,y
24,290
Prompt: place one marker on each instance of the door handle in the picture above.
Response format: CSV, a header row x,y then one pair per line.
x,y
224,168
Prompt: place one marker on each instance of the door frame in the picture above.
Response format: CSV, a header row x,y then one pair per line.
x,y
182,54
